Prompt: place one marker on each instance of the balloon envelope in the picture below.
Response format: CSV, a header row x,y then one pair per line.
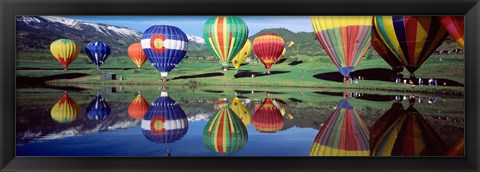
x,y
65,110
165,46
242,54
412,39
225,36
98,52
98,109
165,121
241,111
268,47
385,53
343,134
345,39
138,107
65,51
268,119
455,27
135,52
458,148
225,132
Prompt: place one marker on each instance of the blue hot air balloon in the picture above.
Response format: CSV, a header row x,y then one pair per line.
x,y
165,46
165,121
98,52
98,109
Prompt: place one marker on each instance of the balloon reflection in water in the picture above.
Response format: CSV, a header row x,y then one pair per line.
x,y
65,110
458,148
165,121
241,111
280,105
225,132
404,133
98,109
343,134
268,119
138,107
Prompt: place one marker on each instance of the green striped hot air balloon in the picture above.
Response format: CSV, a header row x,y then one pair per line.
x,y
225,36
225,132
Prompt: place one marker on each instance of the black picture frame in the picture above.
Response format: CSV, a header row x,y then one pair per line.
x,y
10,8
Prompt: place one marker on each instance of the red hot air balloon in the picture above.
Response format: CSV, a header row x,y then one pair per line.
x,y
138,107
268,47
267,119
455,27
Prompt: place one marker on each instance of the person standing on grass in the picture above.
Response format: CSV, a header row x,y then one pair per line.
x,y
420,81
430,82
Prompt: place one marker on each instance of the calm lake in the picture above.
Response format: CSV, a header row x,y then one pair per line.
x,y
231,121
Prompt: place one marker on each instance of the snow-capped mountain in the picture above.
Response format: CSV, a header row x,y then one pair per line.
x,y
35,33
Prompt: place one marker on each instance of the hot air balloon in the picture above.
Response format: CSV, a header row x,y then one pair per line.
x,y
455,26
138,107
405,133
65,110
98,52
412,39
346,39
267,119
242,55
282,57
458,148
225,36
280,105
386,54
290,43
241,111
98,108
65,51
165,121
135,52
165,46
225,132
343,134
268,47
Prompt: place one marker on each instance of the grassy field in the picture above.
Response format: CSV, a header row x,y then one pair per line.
x,y
205,72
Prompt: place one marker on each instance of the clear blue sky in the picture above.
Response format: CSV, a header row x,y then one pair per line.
x,y
193,25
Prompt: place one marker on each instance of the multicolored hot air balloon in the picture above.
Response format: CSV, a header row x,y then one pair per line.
x,y
455,25
412,39
386,54
280,105
98,52
135,52
65,51
242,55
386,121
138,107
282,56
343,134
405,133
346,39
268,47
165,46
458,148
65,110
225,132
165,121
241,111
225,36
98,108
268,119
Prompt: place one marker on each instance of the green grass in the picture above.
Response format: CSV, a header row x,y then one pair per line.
x,y
447,67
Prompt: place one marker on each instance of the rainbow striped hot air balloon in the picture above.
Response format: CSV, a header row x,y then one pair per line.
x,y
405,133
65,51
225,132
268,119
65,110
165,121
455,27
385,53
98,52
98,109
225,36
346,39
241,111
268,47
242,55
343,134
138,107
412,39
135,52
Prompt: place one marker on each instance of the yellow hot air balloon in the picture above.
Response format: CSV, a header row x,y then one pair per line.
x,y
241,111
65,110
282,57
65,51
242,54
